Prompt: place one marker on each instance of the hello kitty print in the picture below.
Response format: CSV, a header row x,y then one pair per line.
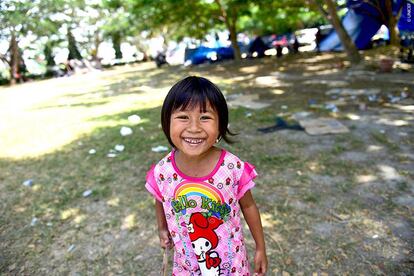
x,y
203,214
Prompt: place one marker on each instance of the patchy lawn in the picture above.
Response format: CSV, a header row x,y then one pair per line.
x,y
330,204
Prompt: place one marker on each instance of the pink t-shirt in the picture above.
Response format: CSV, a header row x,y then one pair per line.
x,y
203,214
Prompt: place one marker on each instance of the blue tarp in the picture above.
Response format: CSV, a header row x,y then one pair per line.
x,y
360,28
406,22
205,54
363,20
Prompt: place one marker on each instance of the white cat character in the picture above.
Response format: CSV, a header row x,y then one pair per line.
x,y
204,239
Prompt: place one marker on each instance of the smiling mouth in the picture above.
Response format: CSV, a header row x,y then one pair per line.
x,y
193,141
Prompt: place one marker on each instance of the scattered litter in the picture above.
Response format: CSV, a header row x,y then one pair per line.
x,y
284,107
331,107
330,83
87,193
375,237
394,99
362,106
382,131
12,267
353,92
358,73
125,131
267,81
134,119
353,117
248,101
111,155
92,151
248,114
28,183
49,224
119,147
386,65
159,149
338,102
34,221
71,248
280,125
301,115
372,98
323,126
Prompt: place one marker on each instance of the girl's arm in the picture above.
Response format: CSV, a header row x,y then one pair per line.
x,y
252,216
163,233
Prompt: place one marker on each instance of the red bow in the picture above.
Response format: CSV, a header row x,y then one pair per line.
x,y
212,261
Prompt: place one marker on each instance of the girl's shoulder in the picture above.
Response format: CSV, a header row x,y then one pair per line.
x,y
233,161
230,157
163,162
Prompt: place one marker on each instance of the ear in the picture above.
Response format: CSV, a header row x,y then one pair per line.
x,y
199,220
214,222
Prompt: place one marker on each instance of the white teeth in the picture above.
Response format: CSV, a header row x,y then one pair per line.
x,y
193,141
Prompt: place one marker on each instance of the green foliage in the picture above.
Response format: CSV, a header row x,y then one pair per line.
x,y
121,20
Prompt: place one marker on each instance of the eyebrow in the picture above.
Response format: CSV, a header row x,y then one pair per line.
x,y
201,111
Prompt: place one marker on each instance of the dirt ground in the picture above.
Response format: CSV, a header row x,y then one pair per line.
x,y
330,204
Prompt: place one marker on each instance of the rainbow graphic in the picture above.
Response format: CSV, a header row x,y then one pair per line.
x,y
188,188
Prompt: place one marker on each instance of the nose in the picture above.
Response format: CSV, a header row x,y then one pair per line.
x,y
194,125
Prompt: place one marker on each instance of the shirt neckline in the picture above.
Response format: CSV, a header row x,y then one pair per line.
x,y
202,178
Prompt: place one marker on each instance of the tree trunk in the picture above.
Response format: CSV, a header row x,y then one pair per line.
x,y
48,52
231,27
350,48
392,24
234,44
96,43
14,59
116,43
73,49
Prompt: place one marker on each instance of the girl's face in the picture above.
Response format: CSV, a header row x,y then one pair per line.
x,y
194,132
201,246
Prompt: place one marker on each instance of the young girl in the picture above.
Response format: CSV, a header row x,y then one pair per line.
x,y
200,189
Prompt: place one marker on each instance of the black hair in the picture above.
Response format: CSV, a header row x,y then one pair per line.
x,y
191,92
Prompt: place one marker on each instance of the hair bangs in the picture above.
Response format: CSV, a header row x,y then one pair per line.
x,y
192,97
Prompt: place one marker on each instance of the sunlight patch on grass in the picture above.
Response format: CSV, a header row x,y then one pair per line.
x,y
113,202
129,222
268,220
79,218
389,122
374,148
366,178
68,213
249,69
269,81
277,91
53,116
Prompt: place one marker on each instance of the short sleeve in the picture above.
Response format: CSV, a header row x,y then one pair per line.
x,y
151,184
246,180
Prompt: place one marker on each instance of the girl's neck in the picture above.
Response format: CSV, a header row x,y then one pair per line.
x,y
197,166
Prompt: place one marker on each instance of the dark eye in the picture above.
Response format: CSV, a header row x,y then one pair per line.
x,y
193,245
207,243
204,118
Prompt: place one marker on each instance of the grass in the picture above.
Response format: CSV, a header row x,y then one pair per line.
x,y
384,140
47,138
